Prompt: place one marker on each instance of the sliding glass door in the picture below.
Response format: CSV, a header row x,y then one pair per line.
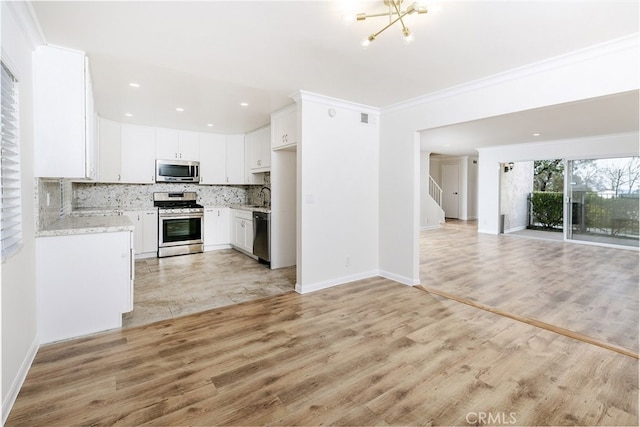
x,y
602,200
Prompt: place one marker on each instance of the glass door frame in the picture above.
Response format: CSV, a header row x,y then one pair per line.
x,y
568,200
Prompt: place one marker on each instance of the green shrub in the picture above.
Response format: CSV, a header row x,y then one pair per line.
x,y
547,208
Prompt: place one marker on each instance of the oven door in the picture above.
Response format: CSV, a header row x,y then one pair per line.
x,y
179,229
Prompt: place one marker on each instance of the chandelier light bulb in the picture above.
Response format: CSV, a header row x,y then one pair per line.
x,y
408,37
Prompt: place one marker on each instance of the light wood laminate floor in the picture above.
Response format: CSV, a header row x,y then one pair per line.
x,y
373,352
176,286
587,289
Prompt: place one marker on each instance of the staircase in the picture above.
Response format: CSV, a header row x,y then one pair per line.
x,y
434,213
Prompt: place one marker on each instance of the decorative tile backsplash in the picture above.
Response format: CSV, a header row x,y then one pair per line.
x,y
53,200
57,198
140,196
134,196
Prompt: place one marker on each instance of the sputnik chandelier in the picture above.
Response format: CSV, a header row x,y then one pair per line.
x,y
395,14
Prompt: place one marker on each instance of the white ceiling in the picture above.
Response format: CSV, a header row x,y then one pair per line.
x,y
208,56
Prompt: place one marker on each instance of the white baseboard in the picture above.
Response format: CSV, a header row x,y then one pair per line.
x,y
400,279
430,227
21,375
514,229
487,231
216,247
146,255
334,282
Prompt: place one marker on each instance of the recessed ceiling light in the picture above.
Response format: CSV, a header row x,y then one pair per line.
x,y
134,84
128,114
244,104
536,134
210,125
179,109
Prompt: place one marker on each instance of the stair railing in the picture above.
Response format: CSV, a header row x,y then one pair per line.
x,y
435,191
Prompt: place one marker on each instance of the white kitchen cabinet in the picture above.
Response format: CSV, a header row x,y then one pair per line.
x,y
189,145
213,169
235,162
284,128
242,230
145,235
138,154
109,142
250,176
177,144
64,136
259,149
84,283
217,228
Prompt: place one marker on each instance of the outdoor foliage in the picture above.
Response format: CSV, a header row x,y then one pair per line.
x,y
547,208
548,175
615,216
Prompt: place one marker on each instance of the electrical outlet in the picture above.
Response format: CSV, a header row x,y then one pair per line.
x,y
347,261
48,199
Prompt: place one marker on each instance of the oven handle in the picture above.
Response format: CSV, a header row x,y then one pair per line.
x,y
180,216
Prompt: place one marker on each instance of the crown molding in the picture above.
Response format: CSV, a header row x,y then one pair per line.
x,y
629,42
303,95
27,20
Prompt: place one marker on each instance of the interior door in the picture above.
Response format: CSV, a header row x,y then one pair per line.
x,y
451,190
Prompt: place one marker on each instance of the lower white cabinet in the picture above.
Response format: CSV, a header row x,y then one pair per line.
x,y
242,230
84,283
216,228
145,236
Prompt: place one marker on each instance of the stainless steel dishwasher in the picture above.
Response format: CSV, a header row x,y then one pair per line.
x,y
262,236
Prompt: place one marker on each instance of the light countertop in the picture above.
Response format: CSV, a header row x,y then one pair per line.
x,y
252,208
72,224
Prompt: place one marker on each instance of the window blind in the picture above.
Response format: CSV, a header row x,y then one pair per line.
x,y
11,203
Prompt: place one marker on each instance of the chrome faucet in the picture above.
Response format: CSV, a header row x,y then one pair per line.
x,y
263,196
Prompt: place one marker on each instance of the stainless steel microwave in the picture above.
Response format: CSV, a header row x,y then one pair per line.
x,y
177,171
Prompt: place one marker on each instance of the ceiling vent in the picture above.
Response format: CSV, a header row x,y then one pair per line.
x,y
364,118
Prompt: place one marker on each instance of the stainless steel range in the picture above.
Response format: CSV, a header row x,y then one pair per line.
x,y
180,223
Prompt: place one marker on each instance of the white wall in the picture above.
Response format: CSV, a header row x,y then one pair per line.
x,y
619,145
19,339
338,188
602,70
515,185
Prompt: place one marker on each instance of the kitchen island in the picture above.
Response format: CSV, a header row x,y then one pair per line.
x,y
84,275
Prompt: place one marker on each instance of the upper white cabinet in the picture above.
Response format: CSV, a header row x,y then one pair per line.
x,y
109,143
128,153
284,128
177,144
259,146
235,159
213,161
138,149
64,114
